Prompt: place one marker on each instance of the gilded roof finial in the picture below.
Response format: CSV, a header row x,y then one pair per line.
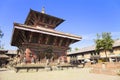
x,y
43,10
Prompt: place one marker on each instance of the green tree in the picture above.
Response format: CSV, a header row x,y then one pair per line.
x,y
76,49
1,35
104,42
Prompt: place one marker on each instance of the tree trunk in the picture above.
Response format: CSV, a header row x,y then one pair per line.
x,y
106,56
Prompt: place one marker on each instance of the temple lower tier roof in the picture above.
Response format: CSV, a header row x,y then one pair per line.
x,y
22,32
45,31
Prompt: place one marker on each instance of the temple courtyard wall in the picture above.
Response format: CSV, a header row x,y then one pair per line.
x,y
108,68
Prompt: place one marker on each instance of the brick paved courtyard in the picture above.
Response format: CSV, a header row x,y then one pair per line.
x,y
66,74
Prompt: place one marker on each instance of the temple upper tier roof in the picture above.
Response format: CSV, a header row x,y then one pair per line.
x,y
35,18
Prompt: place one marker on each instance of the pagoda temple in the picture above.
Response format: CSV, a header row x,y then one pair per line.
x,y
38,35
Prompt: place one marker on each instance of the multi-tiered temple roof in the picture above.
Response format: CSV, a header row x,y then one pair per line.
x,y
38,33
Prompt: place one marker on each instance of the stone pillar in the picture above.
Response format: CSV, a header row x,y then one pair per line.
x,y
103,66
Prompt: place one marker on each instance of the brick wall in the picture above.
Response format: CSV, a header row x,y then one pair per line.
x,y
106,68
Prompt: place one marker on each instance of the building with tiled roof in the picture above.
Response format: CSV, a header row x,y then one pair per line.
x,y
88,53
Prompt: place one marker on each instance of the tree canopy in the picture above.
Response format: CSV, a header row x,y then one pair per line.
x,y
104,42
1,35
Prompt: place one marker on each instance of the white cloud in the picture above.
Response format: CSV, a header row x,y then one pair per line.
x,y
89,36
115,35
88,39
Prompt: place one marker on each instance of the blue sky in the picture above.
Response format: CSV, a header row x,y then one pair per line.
x,y
85,18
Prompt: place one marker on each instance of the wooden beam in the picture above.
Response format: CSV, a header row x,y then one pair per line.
x,y
72,41
30,23
32,20
57,22
51,40
30,39
20,38
42,47
40,38
61,40
35,16
43,20
47,38
44,39
54,23
67,43
24,36
55,40
50,22
39,19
